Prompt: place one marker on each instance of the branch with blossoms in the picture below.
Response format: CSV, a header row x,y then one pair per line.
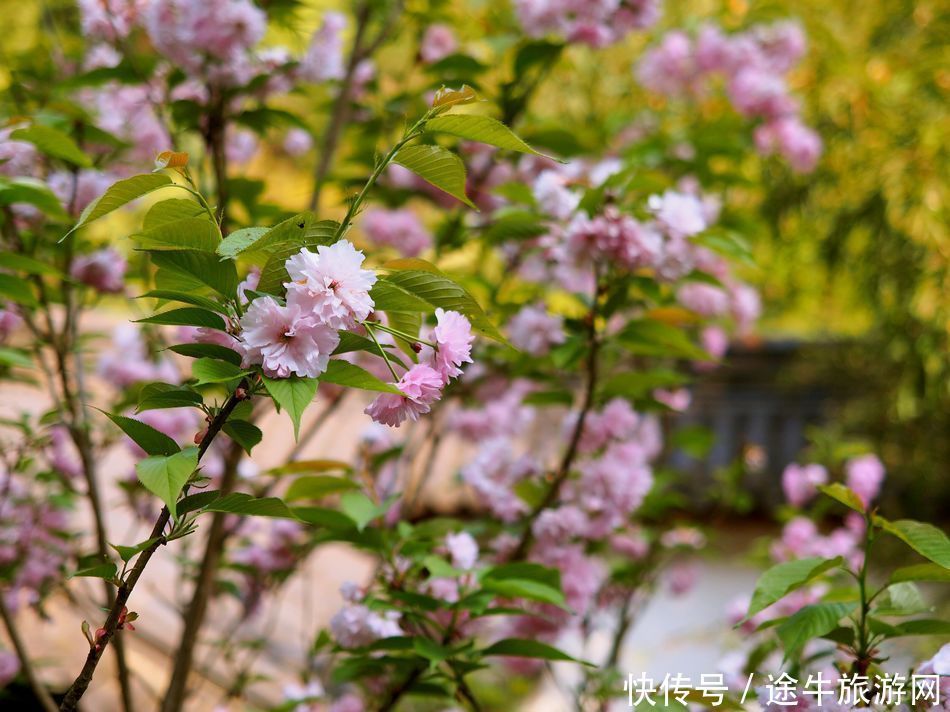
x,y
283,340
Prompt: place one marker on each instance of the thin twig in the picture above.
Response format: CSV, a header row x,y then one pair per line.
x,y
109,628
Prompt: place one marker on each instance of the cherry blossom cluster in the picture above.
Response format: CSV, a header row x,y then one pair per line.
x,y
753,65
802,538
597,23
34,537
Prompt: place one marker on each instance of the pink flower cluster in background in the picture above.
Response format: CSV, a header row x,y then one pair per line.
x,y
597,23
753,65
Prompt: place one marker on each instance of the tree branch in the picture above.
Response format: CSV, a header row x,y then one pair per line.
x,y
109,628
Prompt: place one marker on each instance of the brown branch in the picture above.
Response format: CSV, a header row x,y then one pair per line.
x,y
215,136
340,111
204,587
42,694
109,628
567,460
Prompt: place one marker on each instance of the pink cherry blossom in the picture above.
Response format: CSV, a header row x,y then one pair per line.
x,y
401,229
463,549
421,386
298,142
535,330
103,270
285,340
705,299
864,476
453,339
800,482
331,284
356,625
438,42
324,58
10,321
679,214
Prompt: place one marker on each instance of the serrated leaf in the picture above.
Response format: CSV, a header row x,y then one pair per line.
x,y
53,142
187,316
203,267
119,194
292,230
782,579
245,434
240,240
274,273
184,297
900,599
440,291
240,503
292,394
343,373
842,494
157,396
152,441
921,572
299,466
361,509
127,552
166,475
222,353
523,588
173,210
105,571
810,622
209,370
390,297
483,129
186,234
524,648
317,487
437,166
925,539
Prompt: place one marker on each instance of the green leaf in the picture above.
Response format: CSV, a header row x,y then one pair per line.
x,y
106,571
186,316
425,281
437,166
196,501
523,648
222,353
203,267
350,342
53,142
639,384
390,297
322,517
361,509
900,599
922,627
515,225
430,650
171,211
15,357
166,475
317,487
483,129
782,579
127,552
925,539
525,571
31,191
292,394
343,373
810,622
240,503
184,297
921,572
299,466
186,234
245,434
16,290
239,240
145,436
274,273
119,194
27,265
532,590
655,338
842,494
156,396
209,370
